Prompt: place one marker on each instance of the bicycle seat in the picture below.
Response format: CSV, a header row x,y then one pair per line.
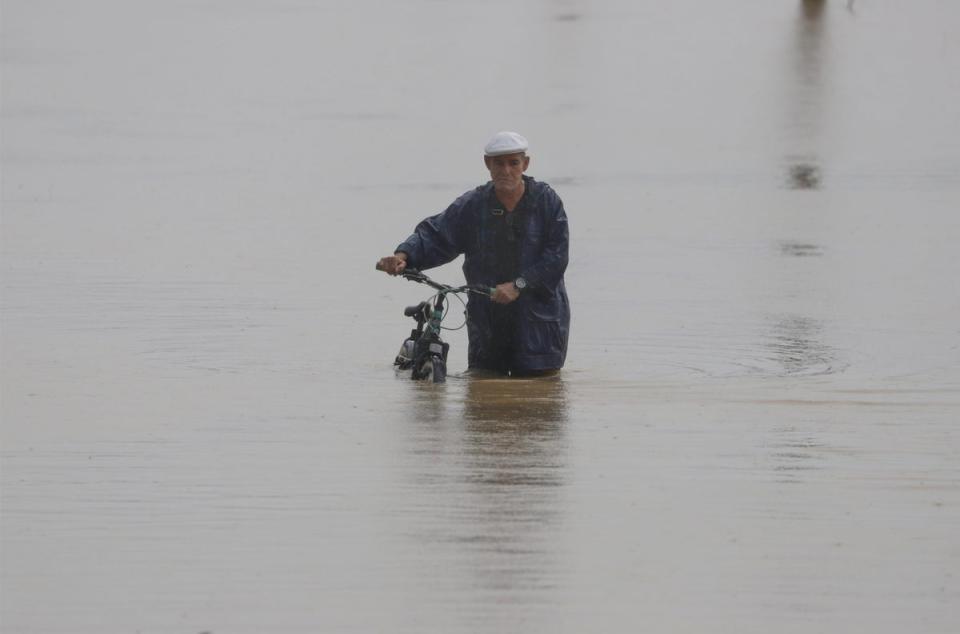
x,y
410,311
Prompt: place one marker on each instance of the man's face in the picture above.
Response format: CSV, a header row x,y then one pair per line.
x,y
507,170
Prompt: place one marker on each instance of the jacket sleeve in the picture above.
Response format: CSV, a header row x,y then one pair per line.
x,y
548,270
438,239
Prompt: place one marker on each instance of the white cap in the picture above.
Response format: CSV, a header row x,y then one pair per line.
x,y
505,143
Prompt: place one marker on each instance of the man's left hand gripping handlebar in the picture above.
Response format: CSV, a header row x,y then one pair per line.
x,y
393,264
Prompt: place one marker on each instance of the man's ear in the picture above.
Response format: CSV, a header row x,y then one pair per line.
x,y
486,161
526,162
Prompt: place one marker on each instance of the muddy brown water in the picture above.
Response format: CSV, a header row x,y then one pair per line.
x,y
757,427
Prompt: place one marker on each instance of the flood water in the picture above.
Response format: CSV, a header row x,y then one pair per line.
x,y
757,427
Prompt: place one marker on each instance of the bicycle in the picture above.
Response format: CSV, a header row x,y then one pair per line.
x,y
424,352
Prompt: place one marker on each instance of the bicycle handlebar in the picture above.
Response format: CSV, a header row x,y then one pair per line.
x,y
415,275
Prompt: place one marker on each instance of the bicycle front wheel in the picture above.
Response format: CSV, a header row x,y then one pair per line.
x,y
432,369
438,370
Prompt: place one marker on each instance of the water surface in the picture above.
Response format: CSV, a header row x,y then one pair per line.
x,y
757,427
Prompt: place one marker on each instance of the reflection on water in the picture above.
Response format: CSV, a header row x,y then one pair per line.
x,y
803,171
803,175
533,403
796,346
513,463
493,470
794,451
514,430
813,9
800,249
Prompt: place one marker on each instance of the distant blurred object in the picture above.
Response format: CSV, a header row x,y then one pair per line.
x,y
812,9
803,176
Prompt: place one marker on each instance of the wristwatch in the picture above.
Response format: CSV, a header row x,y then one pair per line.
x,y
520,283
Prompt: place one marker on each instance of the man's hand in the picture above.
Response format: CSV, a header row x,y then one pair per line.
x,y
393,264
505,293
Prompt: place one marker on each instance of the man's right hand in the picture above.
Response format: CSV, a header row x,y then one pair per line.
x,y
393,264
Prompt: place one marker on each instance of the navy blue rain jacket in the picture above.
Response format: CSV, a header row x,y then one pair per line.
x,y
543,323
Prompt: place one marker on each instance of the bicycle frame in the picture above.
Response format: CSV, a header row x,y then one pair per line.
x,y
424,353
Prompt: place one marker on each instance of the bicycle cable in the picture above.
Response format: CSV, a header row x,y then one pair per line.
x,y
463,303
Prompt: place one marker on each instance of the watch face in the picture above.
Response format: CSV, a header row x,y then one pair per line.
x,y
520,283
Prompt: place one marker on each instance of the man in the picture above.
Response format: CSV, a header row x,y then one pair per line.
x,y
514,238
